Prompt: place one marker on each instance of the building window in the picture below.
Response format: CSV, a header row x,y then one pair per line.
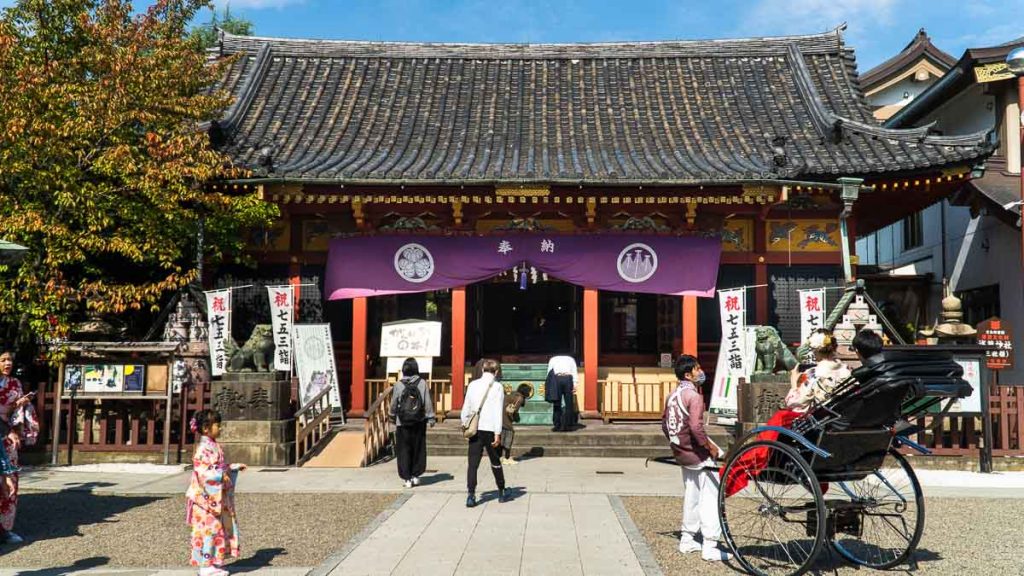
x,y
913,231
980,304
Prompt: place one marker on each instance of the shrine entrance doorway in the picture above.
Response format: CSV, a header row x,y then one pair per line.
x,y
531,324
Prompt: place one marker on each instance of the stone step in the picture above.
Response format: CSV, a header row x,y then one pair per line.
x,y
528,450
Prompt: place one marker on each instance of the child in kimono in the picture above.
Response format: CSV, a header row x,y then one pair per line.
x,y
211,499
8,471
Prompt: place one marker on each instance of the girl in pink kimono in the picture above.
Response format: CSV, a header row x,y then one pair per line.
x,y
16,430
211,499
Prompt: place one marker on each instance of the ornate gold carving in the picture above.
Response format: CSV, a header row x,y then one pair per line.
x,y
591,210
533,191
457,212
357,211
993,72
691,213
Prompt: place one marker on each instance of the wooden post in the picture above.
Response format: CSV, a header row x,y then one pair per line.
x,y
590,349
58,391
761,294
690,325
458,346
358,357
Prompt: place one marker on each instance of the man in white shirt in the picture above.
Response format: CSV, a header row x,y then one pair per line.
x,y
487,396
560,386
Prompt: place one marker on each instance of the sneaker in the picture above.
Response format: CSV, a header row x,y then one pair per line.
x,y
470,501
407,483
415,480
712,553
13,538
688,545
503,496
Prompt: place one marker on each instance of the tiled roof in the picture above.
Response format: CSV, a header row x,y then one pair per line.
x,y
920,47
638,112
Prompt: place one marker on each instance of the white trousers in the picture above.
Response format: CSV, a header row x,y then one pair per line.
x,y
700,505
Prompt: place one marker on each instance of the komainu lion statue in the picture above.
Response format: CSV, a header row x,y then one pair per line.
x,y
256,355
770,350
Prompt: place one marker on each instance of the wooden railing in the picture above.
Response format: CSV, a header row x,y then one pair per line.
x,y
958,435
312,426
375,433
440,392
632,400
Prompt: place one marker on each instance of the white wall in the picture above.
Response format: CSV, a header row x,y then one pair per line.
x,y
970,111
901,92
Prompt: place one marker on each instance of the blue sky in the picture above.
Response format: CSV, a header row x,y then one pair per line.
x,y
877,28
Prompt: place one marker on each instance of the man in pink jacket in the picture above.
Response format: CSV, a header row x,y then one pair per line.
x,y
683,425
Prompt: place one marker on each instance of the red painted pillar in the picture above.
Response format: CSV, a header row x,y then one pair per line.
x,y
358,356
590,350
690,325
458,346
295,279
761,294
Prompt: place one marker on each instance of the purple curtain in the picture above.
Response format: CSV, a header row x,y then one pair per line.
x,y
378,265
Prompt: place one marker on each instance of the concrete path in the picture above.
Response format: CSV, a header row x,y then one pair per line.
x,y
619,476
534,534
143,572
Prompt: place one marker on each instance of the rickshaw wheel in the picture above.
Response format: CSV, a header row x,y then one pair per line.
x,y
776,525
889,507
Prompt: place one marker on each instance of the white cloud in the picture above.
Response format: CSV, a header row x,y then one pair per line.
x,y
774,17
255,4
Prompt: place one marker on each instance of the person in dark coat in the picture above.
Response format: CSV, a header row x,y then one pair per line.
x,y
412,410
513,402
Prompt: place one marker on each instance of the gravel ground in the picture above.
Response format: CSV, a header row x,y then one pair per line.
x,y
81,529
961,537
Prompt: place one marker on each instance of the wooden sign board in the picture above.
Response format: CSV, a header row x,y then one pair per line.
x,y
997,338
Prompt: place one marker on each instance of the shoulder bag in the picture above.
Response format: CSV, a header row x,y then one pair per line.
x,y
469,430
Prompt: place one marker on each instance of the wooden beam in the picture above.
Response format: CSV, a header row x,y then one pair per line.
x,y
590,349
458,346
358,391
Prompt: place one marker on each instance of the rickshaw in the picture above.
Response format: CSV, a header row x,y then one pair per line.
x,y
837,478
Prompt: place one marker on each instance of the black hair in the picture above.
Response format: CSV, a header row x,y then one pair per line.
x,y
867,343
205,419
490,366
525,390
410,367
685,365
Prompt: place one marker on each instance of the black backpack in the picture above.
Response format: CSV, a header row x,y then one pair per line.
x,y
410,404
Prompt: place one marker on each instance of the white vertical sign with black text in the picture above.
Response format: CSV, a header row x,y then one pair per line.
x,y
314,362
282,308
732,357
812,312
218,313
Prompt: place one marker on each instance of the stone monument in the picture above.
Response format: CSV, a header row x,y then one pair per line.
x,y
255,403
951,330
758,399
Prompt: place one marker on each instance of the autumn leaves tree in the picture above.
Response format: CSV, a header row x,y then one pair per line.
x,y
104,159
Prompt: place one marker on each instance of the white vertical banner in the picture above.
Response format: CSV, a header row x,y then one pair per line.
x,y
314,362
218,313
282,308
812,312
732,357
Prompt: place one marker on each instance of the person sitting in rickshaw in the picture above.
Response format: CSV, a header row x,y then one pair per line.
x,y
807,388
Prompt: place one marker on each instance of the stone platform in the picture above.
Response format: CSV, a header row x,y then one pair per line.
x,y
594,440
258,429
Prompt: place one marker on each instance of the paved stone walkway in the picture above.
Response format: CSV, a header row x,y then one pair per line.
x,y
534,534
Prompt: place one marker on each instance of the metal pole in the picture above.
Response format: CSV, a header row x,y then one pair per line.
x,y
986,414
849,194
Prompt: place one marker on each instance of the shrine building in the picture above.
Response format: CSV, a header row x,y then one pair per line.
x,y
585,199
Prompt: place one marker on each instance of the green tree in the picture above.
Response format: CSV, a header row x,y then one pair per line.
x,y
104,163
206,34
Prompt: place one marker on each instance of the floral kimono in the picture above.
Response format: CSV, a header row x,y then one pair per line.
x,y
211,507
10,392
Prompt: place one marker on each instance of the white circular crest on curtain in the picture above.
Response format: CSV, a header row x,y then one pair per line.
x,y
637,262
414,263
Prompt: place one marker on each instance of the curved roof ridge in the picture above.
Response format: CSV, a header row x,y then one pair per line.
x,y
829,41
920,47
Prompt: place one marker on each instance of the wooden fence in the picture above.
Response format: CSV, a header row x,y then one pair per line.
x,y
312,426
115,426
440,392
960,435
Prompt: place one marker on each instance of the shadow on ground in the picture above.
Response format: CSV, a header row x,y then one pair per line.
x,y
76,566
50,516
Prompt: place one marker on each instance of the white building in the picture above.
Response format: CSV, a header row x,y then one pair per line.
x,y
973,239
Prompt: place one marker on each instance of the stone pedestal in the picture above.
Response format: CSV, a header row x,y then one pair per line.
x,y
759,399
258,427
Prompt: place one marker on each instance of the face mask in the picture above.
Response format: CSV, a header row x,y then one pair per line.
x,y
701,377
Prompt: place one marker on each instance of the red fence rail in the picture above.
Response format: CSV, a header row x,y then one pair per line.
x,y
136,426
117,426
